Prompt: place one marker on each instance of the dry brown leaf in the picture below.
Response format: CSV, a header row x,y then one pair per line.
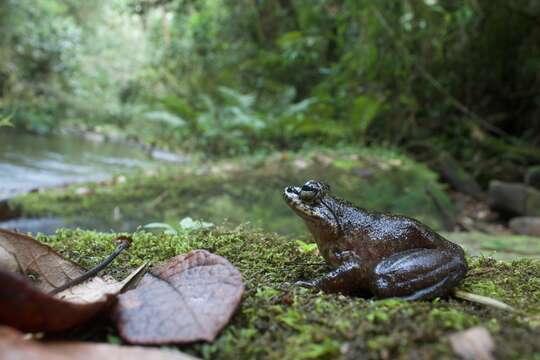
x,y
97,289
14,347
190,298
47,268
8,261
29,309
28,306
473,344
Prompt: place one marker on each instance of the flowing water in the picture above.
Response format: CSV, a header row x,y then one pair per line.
x,y
29,161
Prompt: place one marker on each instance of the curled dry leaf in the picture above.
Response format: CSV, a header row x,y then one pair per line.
x,y
46,267
189,298
28,305
14,347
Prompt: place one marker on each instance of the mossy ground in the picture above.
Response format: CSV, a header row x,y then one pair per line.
x,y
279,321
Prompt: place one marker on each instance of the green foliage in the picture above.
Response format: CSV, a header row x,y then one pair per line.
x,y
227,77
304,247
355,71
6,121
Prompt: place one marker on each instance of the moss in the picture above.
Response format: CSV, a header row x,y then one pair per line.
x,y
280,321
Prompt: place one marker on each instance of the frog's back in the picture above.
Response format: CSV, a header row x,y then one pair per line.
x,y
393,232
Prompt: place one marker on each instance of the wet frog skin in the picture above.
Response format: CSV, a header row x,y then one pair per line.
x,y
386,255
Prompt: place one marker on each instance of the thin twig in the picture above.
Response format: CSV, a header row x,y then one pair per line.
x,y
124,244
484,300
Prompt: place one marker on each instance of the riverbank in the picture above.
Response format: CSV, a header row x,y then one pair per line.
x,y
241,190
248,190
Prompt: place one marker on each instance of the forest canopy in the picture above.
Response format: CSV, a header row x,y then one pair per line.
x,y
228,77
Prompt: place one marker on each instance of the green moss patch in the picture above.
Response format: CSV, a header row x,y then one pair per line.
x,y
281,321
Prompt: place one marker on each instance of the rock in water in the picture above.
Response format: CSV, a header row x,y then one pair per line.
x,y
514,198
526,225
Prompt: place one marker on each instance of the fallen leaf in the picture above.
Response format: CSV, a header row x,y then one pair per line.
x,y
475,344
14,347
8,261
97,288
47,269
25,299
189,298
27,308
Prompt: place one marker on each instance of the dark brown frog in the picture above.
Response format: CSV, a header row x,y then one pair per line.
x,y
387,255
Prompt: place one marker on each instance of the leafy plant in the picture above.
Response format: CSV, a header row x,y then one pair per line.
x,y
6,121
186,224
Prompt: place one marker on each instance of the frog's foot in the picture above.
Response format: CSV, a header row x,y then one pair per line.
x,y
417,274
346,279
346,256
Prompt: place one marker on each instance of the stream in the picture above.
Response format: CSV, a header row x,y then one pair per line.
x,y
31,162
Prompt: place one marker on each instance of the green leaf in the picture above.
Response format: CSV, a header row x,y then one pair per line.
x,y
233,97
188,223
178,106
289,39
363,112
6,121
167,229
165,117
306,248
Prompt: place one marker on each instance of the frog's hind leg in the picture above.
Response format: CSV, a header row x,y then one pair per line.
x,y
418,274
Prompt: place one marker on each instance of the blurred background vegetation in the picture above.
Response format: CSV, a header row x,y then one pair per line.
x,y
229,77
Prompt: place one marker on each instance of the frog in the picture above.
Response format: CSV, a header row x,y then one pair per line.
x,y
375,253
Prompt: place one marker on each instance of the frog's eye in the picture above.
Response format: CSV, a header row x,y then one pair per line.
x,y
308,195
319,187
309,191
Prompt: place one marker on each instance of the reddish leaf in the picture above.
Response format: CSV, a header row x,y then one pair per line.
x,y
14,347
190,298
28,306
30,309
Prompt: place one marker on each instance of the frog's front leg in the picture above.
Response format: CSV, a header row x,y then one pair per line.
x,y
418,274
348,278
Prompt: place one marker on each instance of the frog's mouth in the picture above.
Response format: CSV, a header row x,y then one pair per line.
x,y
311,212
291,194
307,210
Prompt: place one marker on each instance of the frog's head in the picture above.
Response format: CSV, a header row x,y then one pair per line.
x,y
314,205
